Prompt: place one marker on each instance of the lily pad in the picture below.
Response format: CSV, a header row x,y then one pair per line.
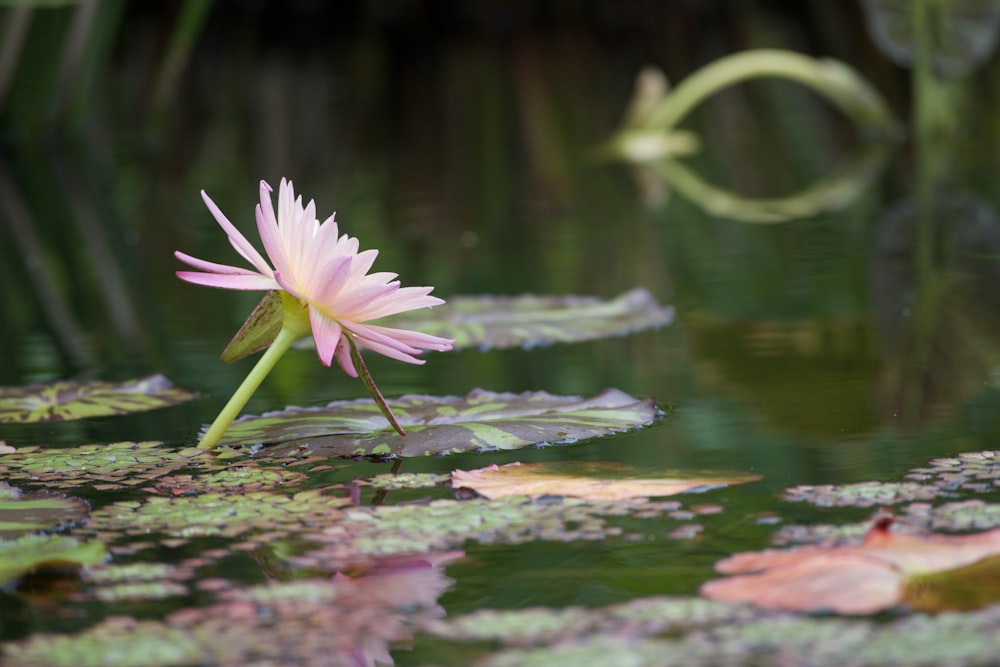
x,y
406,480
31,553
599,480
111,466
67,400
956,640
183,518
238,479
442,525
858,579
863,494
343,621
492,322
33,512
481,420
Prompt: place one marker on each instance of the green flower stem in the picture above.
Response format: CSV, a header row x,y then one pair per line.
x,y
838,83
289,333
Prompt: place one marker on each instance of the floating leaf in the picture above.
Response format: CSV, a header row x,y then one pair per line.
x,y
339,621
863,494
32,512
183,518
481,420
67,400
443,525
238,479
558,479
858,579
490,322
110,466
30,553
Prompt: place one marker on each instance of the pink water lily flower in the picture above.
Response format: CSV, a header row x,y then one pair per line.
x,y
324,271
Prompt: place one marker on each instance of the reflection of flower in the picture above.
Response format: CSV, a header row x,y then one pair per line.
x,y
326,274
325,290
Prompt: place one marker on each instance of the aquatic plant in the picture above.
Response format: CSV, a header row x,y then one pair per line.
x,y
325,290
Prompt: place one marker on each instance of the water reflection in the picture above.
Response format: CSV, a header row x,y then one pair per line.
x,y
937,310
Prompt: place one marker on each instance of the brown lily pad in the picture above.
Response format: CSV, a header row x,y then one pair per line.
x,y
603,481
859,579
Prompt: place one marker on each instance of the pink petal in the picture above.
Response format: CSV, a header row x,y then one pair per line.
x,y
413,339
238,241
343,355
327,334
267,227
205,265
403,300
392,352
248,281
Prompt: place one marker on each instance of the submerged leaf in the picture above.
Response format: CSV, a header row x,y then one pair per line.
x,y
67,400
858,579
481,420
561,479
30,553
32,512
489,322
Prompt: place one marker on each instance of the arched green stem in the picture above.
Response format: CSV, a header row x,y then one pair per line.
x,y
231,411
841,85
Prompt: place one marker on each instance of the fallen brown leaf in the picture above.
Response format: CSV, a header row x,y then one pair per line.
x,y
858,579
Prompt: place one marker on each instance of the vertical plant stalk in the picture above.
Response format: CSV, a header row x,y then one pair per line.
x,y
282,342
369,382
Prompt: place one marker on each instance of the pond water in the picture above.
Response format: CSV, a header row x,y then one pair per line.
x,y
851,344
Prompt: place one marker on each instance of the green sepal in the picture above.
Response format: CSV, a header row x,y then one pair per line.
x,y
258,331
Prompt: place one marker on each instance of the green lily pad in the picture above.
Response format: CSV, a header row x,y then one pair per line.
x,y
441,525
183,518
957,640
491,322
864,494
238,479
67,400
479,421
31,553
406,480
111,466
137,581
33,512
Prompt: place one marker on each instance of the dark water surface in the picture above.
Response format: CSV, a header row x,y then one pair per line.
x,y
850,345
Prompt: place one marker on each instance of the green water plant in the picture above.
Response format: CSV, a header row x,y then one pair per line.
x,y
325,290
651,138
